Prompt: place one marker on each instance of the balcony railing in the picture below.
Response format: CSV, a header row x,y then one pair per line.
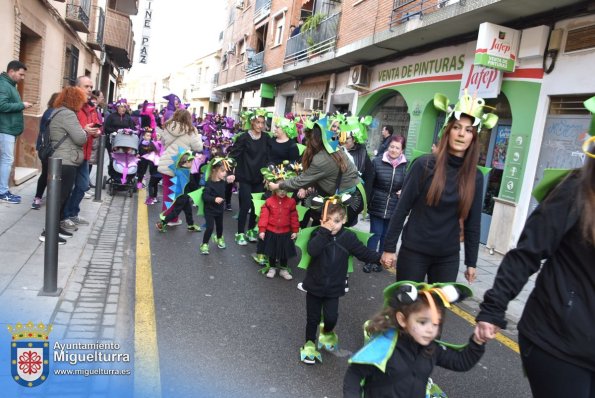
x,y
309,44
262,8
405,10
95,37
255,64
118,38
77,15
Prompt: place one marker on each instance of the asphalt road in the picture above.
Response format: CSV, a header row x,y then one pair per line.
x,y
225,330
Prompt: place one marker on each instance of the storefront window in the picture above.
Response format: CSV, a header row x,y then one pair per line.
x,y
393,112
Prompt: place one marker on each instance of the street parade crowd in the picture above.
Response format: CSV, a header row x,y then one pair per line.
x,y
303,181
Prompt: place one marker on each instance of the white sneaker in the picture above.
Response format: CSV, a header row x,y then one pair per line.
x,y
272,272
300,286
88,195
174,223
285,275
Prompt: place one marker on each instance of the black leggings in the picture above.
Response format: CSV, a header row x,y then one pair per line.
x,y
552,377
182,202
228,193
42,181
414,266
245,195
330,313
213,221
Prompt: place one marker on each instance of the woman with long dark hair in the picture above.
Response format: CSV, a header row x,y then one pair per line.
x,y
440,189
328,173
556,330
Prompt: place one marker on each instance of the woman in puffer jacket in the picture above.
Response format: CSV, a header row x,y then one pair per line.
x,y
178,134
387,180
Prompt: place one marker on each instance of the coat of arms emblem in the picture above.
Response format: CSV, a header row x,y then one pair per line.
x,y
30,353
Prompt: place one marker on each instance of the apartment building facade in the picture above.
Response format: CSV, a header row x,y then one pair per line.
x,y
60,40
387,58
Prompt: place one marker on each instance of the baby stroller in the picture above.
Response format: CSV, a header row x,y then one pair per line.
x,y
123,163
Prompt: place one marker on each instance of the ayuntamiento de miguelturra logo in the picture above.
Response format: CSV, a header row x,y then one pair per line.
x,y
30,353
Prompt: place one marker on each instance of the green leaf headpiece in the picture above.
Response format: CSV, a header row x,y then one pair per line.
x,y
471,106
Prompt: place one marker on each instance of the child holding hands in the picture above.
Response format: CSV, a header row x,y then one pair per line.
x,y
402,352
330,246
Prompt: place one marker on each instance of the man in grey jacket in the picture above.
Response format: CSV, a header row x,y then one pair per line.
x,y
11,124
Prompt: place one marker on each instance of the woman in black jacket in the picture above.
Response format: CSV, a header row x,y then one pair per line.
x,y
557,328
386,183
115,121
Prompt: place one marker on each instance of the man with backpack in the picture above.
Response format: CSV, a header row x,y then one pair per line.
x,y
11,124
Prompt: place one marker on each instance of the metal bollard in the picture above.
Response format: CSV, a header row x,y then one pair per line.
x,y
99,172
52,225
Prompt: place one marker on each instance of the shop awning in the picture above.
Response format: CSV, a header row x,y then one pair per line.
x,y
313,90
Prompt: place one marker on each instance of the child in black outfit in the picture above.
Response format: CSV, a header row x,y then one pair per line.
x,y
402,351
214,204
330,246
183,202
146,147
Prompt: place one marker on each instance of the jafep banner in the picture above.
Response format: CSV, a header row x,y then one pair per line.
x,y
497,47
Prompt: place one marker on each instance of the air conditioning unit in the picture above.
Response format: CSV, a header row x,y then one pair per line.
x,y
240,4
231,48
102,57
444,3
359,77
313,104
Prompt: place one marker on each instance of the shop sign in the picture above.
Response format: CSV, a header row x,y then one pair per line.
x,y
497,47
418,67
481,81
146,36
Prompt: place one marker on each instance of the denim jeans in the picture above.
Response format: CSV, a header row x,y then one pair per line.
x,y
81,185
6,158
378,227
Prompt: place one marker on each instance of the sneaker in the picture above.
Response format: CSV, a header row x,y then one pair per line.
x,y
346,285
9,198
67,224
156,200
161,226
220,242
193,228
139,185
36,205
308,353
228,208
78,220
272,272
14,196
367,268
174,223
88,195
61,241
241,239
150,201
300,286
204,248
285,275
64,234
376,268
252,236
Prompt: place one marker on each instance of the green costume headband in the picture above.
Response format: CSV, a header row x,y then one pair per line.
x,y
252,114
228,164
472,106
283,171
288,126
356,128
407,292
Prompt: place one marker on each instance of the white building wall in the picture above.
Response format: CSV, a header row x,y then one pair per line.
x,y
572,74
